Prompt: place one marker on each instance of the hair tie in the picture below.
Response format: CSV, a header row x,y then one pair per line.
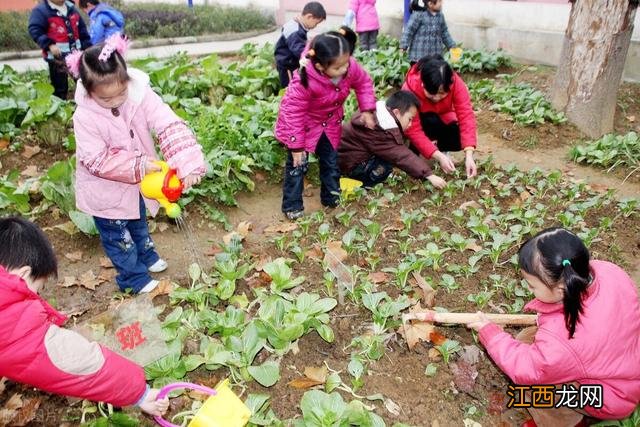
x,y
73,63
342,31
311,53
116,42
566,263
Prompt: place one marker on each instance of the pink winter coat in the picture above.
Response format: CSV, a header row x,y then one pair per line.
x,y
605,348
366,15
111,150
35,350
305,113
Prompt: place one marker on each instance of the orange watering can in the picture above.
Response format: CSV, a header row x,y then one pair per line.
x,y
222,409
165,187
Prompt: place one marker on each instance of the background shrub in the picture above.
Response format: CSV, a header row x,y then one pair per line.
x,y
151,20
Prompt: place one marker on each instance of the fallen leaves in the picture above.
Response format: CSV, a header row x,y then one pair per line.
x,y
74,256
283,227
240,233
18,411
30,151
428,293
105,262
469,204
88,279
312,377
414,331
378,277
464,375
30,171
335,248
437,338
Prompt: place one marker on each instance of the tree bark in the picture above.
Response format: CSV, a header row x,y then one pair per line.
x,y
592,61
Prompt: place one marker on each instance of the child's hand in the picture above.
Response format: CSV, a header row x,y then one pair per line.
x,y
445,161
482,321
436,181
151,166
152,406
191,180
55,51
368,120
299,157
470,164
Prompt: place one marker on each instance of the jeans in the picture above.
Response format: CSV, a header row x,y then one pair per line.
x,y
447,136
368,40
372,172
293,183
58,75
129,247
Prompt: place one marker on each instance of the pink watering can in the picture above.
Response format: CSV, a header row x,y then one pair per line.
x,y
222,409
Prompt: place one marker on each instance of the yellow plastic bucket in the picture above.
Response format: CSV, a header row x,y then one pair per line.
x,y
347,185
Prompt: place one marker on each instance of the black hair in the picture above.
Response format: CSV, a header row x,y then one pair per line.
x,y
84,3
557,256
435,72
25,244
403,100
94,72
315,9
419,5
326,47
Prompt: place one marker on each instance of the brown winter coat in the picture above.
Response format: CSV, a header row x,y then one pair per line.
x,y
385,141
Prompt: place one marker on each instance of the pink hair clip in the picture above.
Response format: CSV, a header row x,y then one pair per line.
x,y
116,42
73,63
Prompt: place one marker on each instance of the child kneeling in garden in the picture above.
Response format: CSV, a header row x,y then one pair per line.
x,y
369,155
37,351
117,112
588,331
311,114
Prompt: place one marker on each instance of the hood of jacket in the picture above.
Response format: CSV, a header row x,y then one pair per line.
x,y
112,13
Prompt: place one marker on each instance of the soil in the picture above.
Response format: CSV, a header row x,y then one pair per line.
x,y
399,375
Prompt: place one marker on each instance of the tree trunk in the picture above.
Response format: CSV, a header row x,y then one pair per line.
x,y
592,61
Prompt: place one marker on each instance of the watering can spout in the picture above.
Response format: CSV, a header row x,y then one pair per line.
x,y
165,187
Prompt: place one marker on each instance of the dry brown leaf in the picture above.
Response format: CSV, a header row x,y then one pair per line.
x,y
4,143
631,118
6,416
470,204
304,383
524,196
89,280
68,227
227,238
264,260
378,277
464,375
30,151
106,275
28,411
473,246
30,171
162,226
416,331
434,354
3,380
315,253
282,227
600,188
105,262
74,256
14,402
213,251
335,247
428,293
318,374
198,395
396,225
165,287
69,281
243,228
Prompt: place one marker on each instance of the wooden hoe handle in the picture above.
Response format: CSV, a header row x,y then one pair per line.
x,y
501,319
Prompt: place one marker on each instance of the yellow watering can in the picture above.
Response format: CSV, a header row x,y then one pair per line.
x,y
165,187
222,409
347,185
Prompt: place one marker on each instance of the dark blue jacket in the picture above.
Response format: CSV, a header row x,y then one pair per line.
x,y
104,21
47,26
290,45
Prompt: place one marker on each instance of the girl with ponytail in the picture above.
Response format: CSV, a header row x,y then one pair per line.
x,y
588,330
311,114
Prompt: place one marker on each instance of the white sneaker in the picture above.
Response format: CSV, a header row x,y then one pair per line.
x,y
159,266
149,287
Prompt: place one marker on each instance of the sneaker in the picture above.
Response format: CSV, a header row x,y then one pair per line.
x,y
149,287
293,215
159,266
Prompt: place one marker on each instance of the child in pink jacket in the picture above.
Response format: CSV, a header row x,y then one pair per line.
x,y
367,22
116,113
588,331
34,347
311,114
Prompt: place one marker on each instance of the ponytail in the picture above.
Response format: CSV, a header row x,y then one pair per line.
x,y
326,47
556,256
435,73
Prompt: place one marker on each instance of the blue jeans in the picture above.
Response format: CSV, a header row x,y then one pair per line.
x,y
129,247
293,183
372,172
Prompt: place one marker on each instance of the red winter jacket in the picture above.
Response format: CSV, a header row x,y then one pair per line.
x,y
47,26
35,350
456,106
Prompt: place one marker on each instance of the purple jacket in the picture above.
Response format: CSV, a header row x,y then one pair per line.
x,y
604,350
305,113
366,15
111,150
